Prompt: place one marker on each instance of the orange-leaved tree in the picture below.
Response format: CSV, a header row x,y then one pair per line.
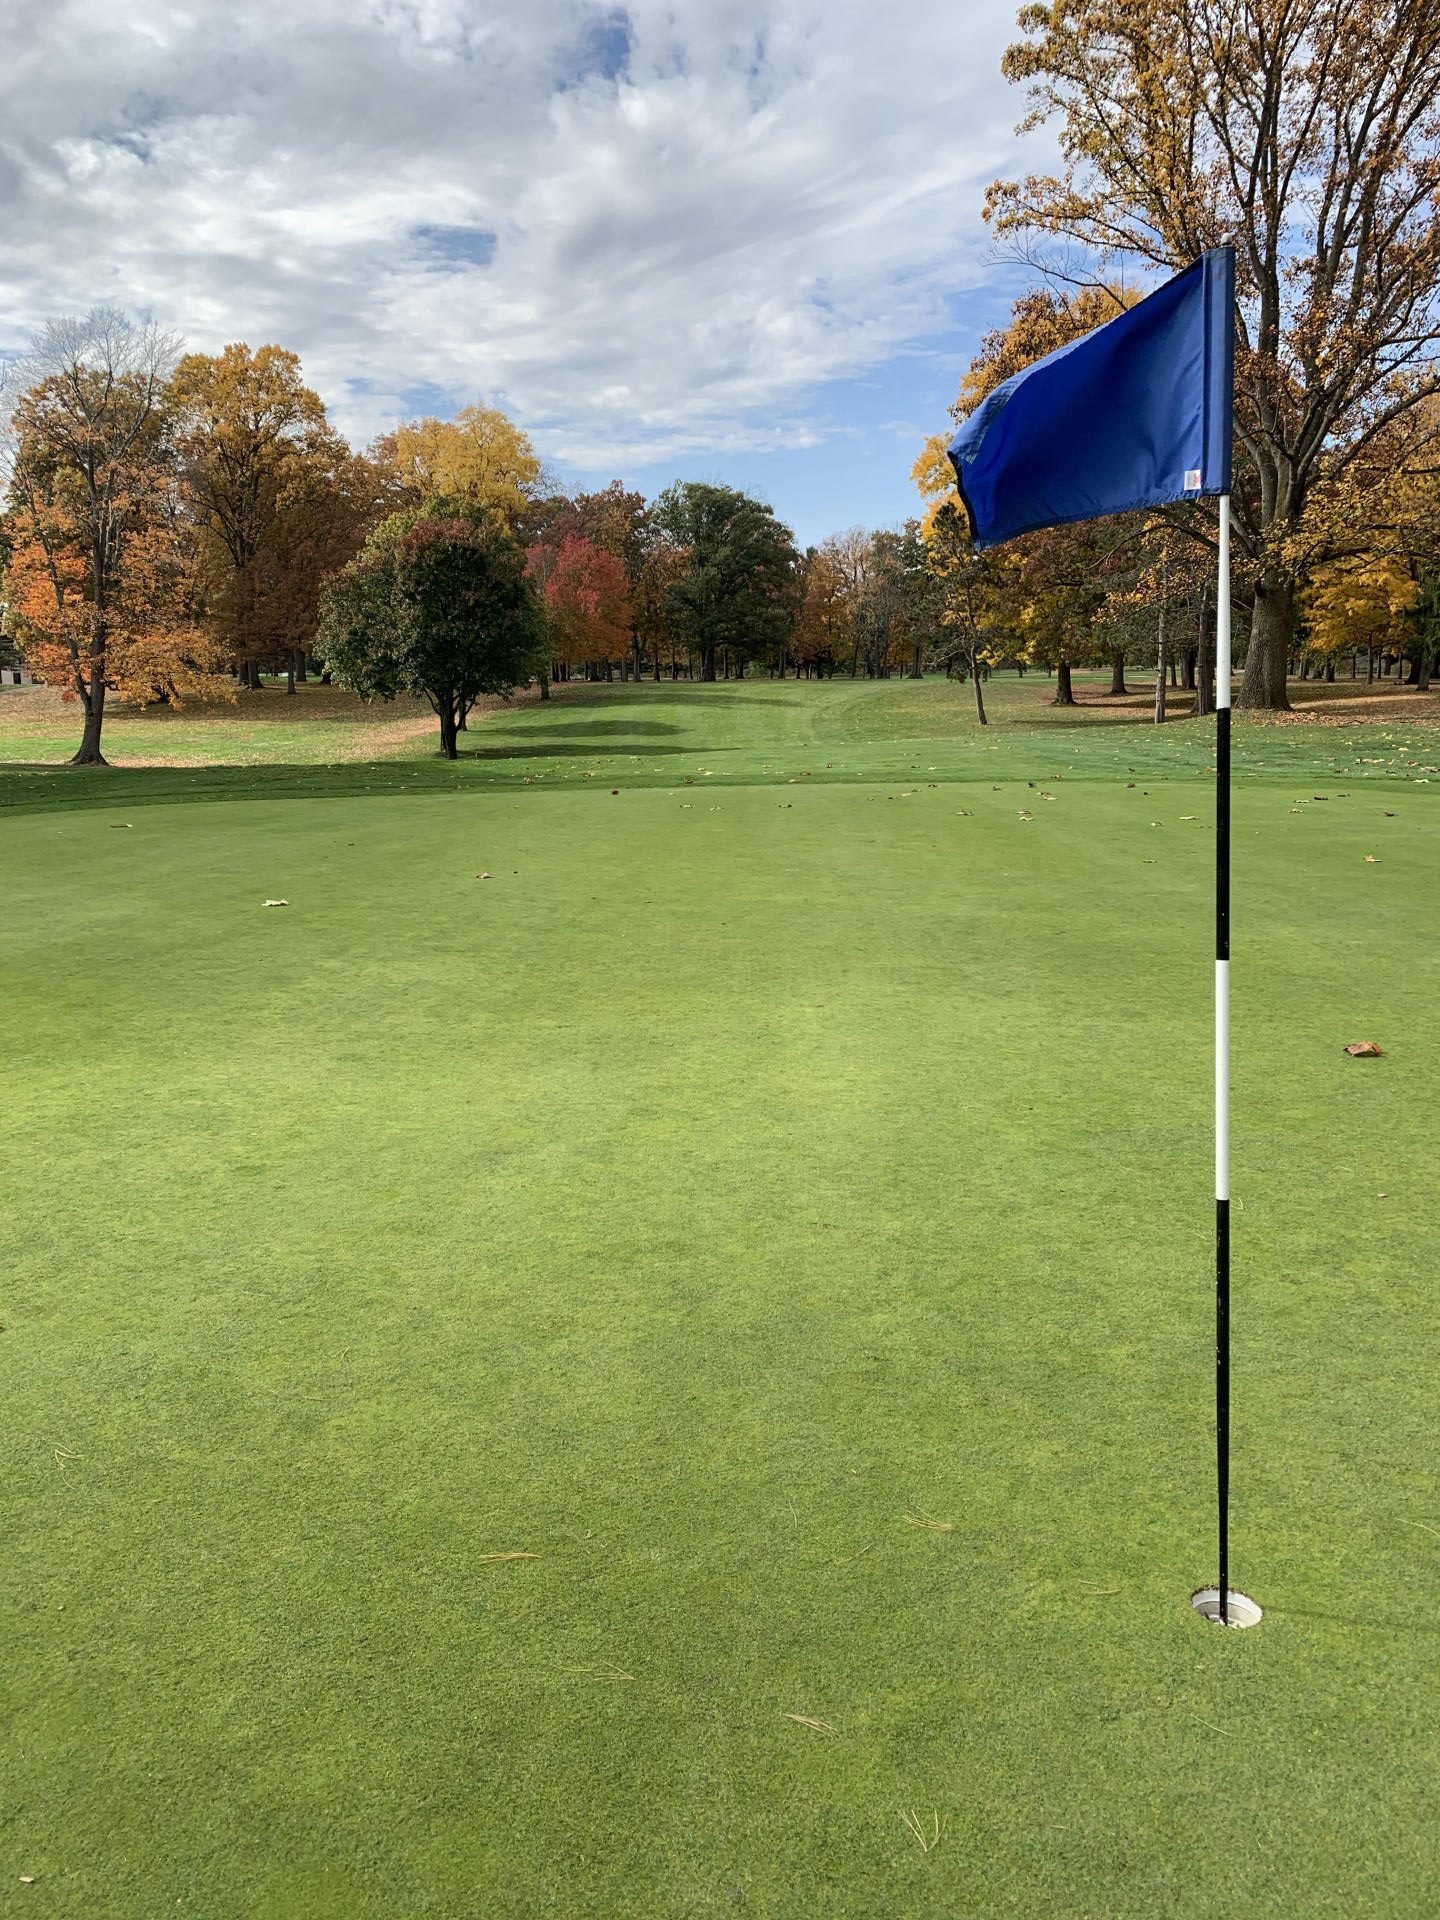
x,y
99,566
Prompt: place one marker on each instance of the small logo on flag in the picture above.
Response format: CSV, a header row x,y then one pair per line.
x,y
1192,480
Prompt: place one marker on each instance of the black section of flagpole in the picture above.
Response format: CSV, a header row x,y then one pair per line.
x,y
1222,1206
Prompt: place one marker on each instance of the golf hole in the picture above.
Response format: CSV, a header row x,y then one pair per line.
x,y
1243,1610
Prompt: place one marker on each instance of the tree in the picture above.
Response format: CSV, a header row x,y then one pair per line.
x,y
1307,130
825,620
157,648
437,604
739,589
277,496
86,448
661,570
480,457
970,590
586,599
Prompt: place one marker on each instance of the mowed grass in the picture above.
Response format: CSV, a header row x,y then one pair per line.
x,y
776,1200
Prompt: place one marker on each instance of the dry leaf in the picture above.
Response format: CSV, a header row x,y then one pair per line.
x,y
483,876
119,826
277,903
1362,1050
1371,861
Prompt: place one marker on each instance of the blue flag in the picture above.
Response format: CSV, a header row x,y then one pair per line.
x,y
1135,414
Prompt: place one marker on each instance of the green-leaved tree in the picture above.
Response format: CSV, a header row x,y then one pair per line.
x,y
437,604
740,588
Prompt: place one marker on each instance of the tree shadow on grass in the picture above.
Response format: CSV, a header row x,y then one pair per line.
x,y
703,693
50,786
620,727
589,748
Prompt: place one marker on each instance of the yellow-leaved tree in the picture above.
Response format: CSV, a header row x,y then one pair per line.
x,y
480,457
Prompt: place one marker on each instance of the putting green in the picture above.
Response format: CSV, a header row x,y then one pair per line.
x,y
780,1207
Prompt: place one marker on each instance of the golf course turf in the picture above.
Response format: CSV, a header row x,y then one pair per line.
x,y
600,1389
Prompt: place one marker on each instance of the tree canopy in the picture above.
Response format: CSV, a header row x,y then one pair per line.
x,y
740,586
439,605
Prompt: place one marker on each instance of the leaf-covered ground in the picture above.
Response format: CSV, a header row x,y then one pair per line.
x,y
776,1200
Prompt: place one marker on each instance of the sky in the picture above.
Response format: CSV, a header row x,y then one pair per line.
x,y
733,240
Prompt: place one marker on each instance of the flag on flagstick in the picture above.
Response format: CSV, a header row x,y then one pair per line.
x,y
1138,413
1135,414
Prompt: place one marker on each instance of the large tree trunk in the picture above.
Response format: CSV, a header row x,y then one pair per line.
x,y
707,661
1117,672
1423,665
1064,692
979,696
88,753
1271,630
299,660
448,748
544,685
1160,662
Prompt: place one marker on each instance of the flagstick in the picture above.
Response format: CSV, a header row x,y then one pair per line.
x,y
1222,1055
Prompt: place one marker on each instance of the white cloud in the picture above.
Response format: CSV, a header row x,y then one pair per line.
x,y
646,231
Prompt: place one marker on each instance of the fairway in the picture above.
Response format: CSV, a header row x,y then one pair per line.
x,y
598,1390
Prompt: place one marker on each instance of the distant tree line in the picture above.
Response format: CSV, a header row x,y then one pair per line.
x,y
182,526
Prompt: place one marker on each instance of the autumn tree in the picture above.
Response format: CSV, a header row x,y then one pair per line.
x,y
437,605
277,497
586,600
614,520
825,619
739,588
970,591
93,553
480,457
1308,131
1367,601
1368,549
663,567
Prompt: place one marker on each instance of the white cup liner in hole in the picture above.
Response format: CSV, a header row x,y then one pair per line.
x,y
1243,1610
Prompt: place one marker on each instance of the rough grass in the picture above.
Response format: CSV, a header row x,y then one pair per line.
x,y
798,1145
